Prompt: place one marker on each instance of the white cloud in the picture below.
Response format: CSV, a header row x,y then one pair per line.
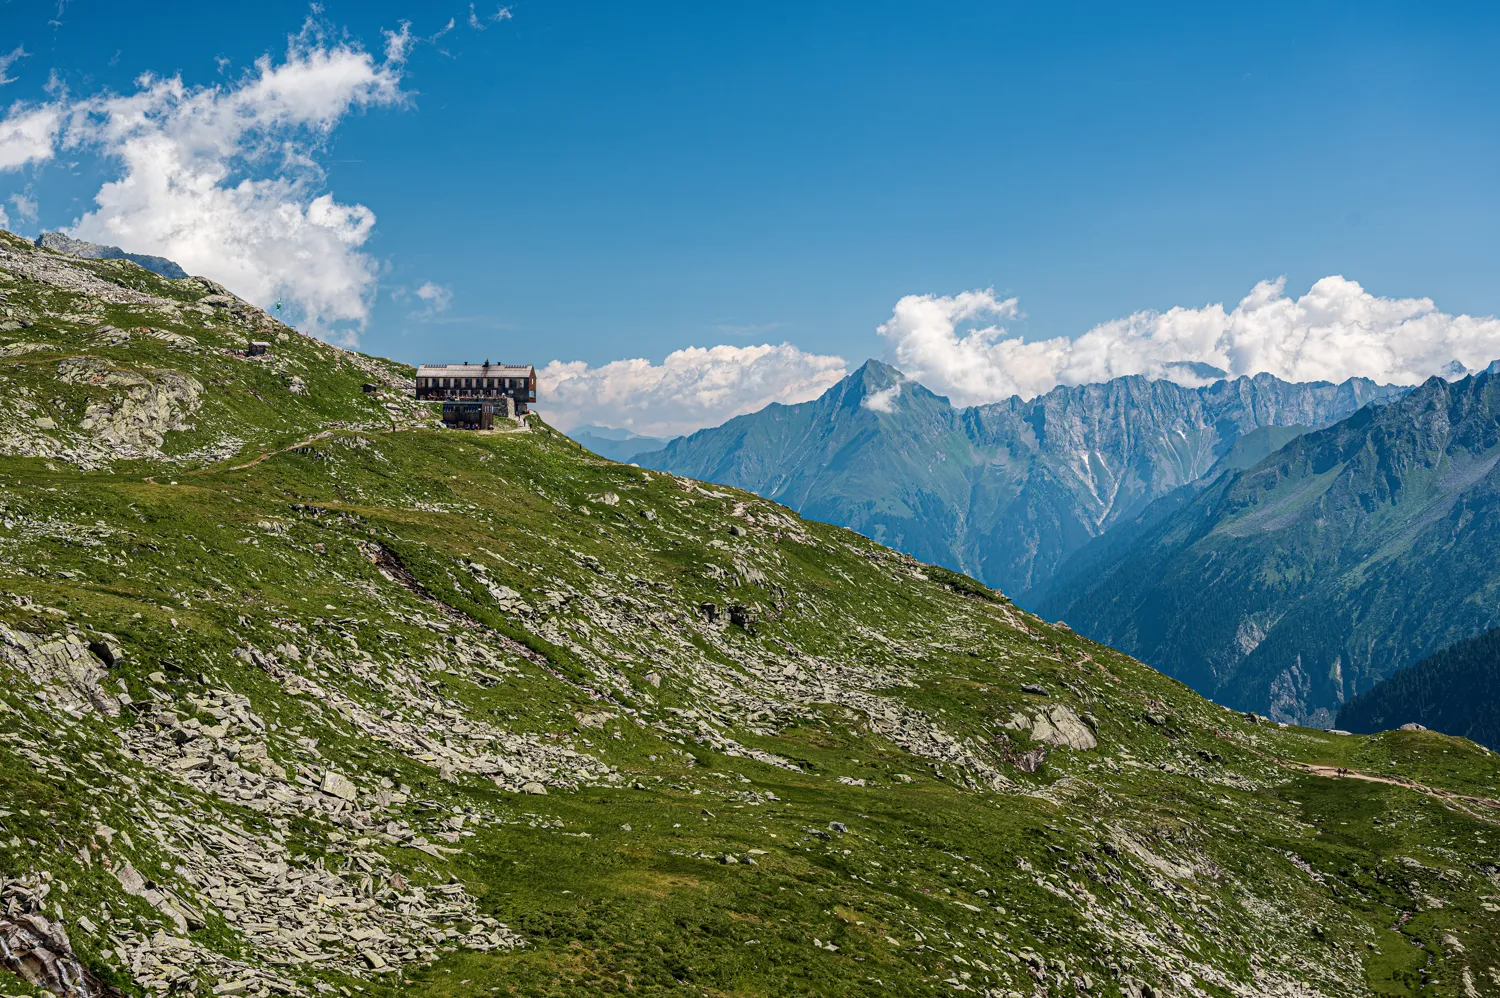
x,y
883,400
8,60
1337,330
690,389
224,179
28,133
437,297
25,205
479,23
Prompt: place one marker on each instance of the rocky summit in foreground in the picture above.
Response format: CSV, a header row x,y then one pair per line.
x,y
304,695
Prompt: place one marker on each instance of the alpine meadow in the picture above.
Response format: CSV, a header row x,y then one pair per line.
x,y
583,500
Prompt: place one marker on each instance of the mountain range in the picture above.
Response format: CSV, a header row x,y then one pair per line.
x,y
1297,583
615,444
1005,491
303,694
1281,546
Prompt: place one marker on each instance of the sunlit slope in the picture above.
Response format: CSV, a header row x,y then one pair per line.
x,y
104,362
430,712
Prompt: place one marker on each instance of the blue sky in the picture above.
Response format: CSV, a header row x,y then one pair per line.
x,y
595,181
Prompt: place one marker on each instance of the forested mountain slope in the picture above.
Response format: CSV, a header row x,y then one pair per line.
x,y
371,707
1455,690
1298,583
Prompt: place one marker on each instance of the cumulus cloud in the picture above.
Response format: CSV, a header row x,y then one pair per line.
x,y
225,179
28,133
435,296
690,389
1337,330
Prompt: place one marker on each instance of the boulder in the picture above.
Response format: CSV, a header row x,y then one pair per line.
x,y
107,650
336,784
1059,725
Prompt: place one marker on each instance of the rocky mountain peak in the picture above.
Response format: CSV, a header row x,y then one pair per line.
x,y
1005,490
61,242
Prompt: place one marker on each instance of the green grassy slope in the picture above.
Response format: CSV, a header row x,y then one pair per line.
x,y
400,710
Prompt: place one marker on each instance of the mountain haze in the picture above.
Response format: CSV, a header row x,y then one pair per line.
x,y
1298,583
1004,491
1455,691
615,444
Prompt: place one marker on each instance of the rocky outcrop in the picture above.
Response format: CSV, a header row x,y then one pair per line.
x,y
37,949
60,242
136,413
1056,725
65,663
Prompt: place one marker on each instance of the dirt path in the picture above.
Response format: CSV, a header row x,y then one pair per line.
x,y
322,435
1463,802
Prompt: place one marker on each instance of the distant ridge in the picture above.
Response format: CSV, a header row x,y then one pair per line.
x,y
60,242
1296,584
1005,491
1455,691
615,444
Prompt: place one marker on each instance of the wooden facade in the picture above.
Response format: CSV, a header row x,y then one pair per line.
x,y
476,382
475,414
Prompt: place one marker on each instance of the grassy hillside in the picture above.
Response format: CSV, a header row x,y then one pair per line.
x,y
398,710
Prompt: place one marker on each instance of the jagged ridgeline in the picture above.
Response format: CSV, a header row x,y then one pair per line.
x,y
399,710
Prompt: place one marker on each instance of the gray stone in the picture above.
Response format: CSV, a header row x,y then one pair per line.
x,y
61,243
107,650
336,784
1060,726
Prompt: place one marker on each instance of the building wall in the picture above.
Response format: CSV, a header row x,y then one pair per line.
x,y
478,385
